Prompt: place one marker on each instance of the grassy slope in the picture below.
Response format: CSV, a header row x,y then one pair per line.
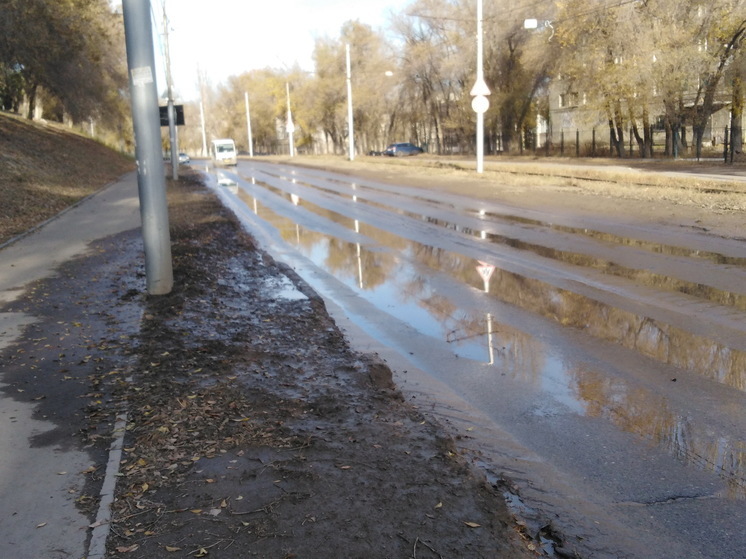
x,y
45,168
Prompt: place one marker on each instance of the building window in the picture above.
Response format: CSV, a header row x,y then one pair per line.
x,y
568,100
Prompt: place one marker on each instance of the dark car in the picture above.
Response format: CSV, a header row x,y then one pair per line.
x,y
402,148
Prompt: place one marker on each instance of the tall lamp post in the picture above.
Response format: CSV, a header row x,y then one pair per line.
x,y
480,103
290,127
172,134
350,127
248,125
151,180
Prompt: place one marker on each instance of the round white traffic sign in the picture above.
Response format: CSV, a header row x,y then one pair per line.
x,y
480,104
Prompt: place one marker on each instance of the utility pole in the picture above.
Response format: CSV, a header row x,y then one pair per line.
x,y
480,103
202,110
350,126
204,134
151,180
172,134
248,124
290,127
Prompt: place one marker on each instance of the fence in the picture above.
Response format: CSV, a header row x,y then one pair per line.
x,y
597,143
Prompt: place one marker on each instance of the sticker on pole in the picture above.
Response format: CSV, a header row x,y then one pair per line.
x,y
142,76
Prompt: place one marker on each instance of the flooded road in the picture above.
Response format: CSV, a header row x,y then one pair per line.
x,y
599,366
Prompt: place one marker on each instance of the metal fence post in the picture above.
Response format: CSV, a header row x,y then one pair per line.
x,y
593,143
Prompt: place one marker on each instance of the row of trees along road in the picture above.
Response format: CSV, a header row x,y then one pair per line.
x,y
631,63
65,59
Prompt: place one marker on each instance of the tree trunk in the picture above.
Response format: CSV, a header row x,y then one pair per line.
x,y
673,123
639,140
647,143
702,115
736,116
31,92
619,129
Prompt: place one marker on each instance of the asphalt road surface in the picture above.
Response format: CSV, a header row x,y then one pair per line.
x,y
598,365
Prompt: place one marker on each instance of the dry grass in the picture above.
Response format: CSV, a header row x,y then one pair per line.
x,y
45,169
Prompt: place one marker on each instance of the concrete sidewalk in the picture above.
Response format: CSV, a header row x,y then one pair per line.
x,y
39,483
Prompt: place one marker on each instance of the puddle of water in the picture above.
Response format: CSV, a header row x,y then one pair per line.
x,y
661,342
648,415
608,238
641,277
396,277
283,288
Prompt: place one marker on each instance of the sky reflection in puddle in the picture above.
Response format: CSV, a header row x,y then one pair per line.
x,y
644,277
396,277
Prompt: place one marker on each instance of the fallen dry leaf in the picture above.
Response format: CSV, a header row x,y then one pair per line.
x,y
472,524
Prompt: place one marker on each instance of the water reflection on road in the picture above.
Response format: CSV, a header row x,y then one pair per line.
x,y
648,336
400,276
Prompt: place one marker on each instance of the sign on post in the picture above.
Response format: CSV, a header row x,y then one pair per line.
x,y
178,111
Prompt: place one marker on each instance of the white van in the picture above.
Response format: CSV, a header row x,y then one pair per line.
x,y
223,152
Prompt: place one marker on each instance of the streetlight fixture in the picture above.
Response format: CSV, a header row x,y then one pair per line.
x,y
480,91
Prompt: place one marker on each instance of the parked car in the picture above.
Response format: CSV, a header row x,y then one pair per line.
x,y
184,158
401,149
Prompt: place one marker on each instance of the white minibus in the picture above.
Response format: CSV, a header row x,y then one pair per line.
x,y
223,152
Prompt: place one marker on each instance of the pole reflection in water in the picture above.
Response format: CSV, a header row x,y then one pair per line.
x,y
399,275
485,270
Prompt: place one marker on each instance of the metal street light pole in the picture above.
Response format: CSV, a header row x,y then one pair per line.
x,y
173,138
151,180
350,127
480,103
248,124
204,132
290,125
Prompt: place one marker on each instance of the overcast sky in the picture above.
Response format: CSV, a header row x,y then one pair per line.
x,y
229,37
